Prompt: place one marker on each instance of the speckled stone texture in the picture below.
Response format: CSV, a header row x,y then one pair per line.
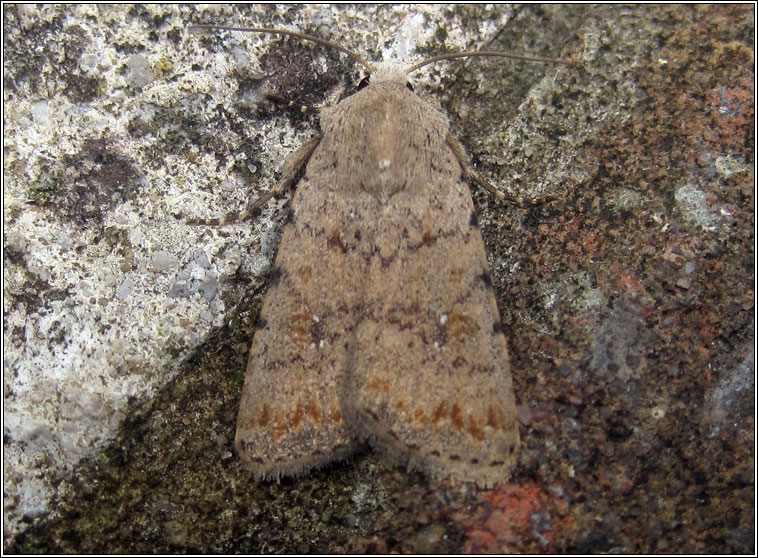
x,y
628,301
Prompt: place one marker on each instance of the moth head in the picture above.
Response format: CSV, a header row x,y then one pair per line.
x,y
388,73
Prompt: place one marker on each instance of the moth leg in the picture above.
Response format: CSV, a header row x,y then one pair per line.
x,y
470,175
290,171
302,109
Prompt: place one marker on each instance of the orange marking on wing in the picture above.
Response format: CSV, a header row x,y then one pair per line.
x,y
476,431
427,238
460,325
457,417
381,385
439,413
314,411
279,428
265,415
305,273
297,417
455,276
300,325
494,417
335,415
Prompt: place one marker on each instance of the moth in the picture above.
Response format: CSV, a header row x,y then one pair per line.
x,y
380,323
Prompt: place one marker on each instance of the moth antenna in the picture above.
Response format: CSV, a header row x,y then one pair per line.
x,y
482,53
303,36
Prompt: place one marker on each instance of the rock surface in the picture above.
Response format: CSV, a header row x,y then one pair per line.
x,y
628,299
